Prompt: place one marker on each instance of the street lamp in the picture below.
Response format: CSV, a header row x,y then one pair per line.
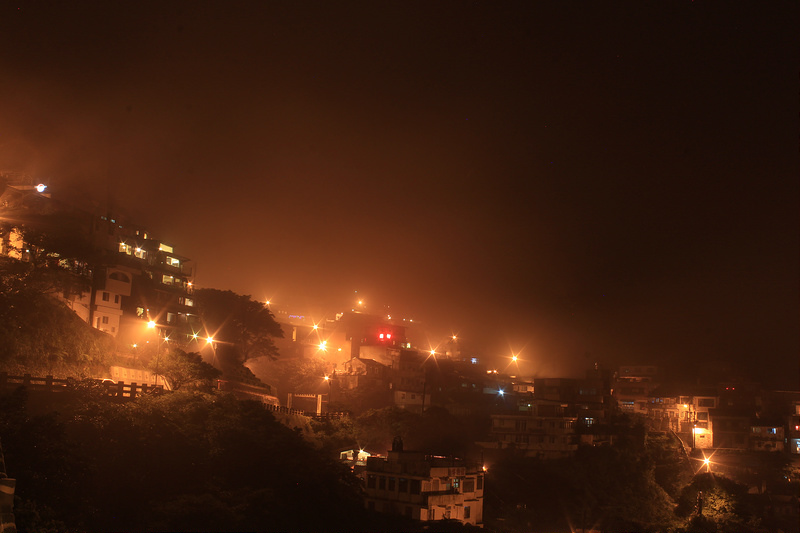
x,y
329,381
152,325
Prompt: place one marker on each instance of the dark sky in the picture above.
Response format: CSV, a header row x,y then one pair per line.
x,y
582,181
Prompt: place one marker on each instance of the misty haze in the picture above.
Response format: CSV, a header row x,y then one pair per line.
x,y
313,266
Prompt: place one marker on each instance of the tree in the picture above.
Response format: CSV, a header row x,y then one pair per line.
x,y
194,461
38,333
57,252
180,368
244,326
726,506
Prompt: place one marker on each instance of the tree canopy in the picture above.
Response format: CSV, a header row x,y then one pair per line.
x,y
182,369
244,327
39,334
175,462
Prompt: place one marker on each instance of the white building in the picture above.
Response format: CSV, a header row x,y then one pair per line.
x,y
424,487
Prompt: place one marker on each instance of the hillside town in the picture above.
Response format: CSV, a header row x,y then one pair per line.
x,y
140,292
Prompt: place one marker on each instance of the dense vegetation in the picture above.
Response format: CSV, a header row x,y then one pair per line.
x,y
180,461
39,334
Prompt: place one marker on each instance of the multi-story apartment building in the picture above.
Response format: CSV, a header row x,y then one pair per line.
x,y
684,411
132,278
633,386
141,279
545,431
793,433
424,487
766,436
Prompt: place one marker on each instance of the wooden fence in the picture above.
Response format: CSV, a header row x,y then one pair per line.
x,y
291,411
126,391
49,384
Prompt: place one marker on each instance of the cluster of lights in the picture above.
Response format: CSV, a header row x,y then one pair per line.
x,y
152,325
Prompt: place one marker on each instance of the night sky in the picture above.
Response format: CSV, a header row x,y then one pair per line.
x,y
579,181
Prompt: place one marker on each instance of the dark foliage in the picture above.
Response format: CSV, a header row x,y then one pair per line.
x,y
612,488
436,432
726,505
181,461
39,334
184,369
245,327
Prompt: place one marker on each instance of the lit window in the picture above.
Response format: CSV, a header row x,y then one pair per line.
x,y
167,279
171,261
140,253
189,302
164,248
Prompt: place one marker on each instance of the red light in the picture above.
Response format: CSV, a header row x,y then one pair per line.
x,y
388,335
381,335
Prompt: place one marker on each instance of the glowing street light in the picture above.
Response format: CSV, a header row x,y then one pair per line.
x,y
514,358
151,324
323,346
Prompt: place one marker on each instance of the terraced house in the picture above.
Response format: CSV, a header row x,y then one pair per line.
x,y
424,487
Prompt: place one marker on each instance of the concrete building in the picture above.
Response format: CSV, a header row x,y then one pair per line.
x,y
633,385
546,436
140,279
130,276
424,487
